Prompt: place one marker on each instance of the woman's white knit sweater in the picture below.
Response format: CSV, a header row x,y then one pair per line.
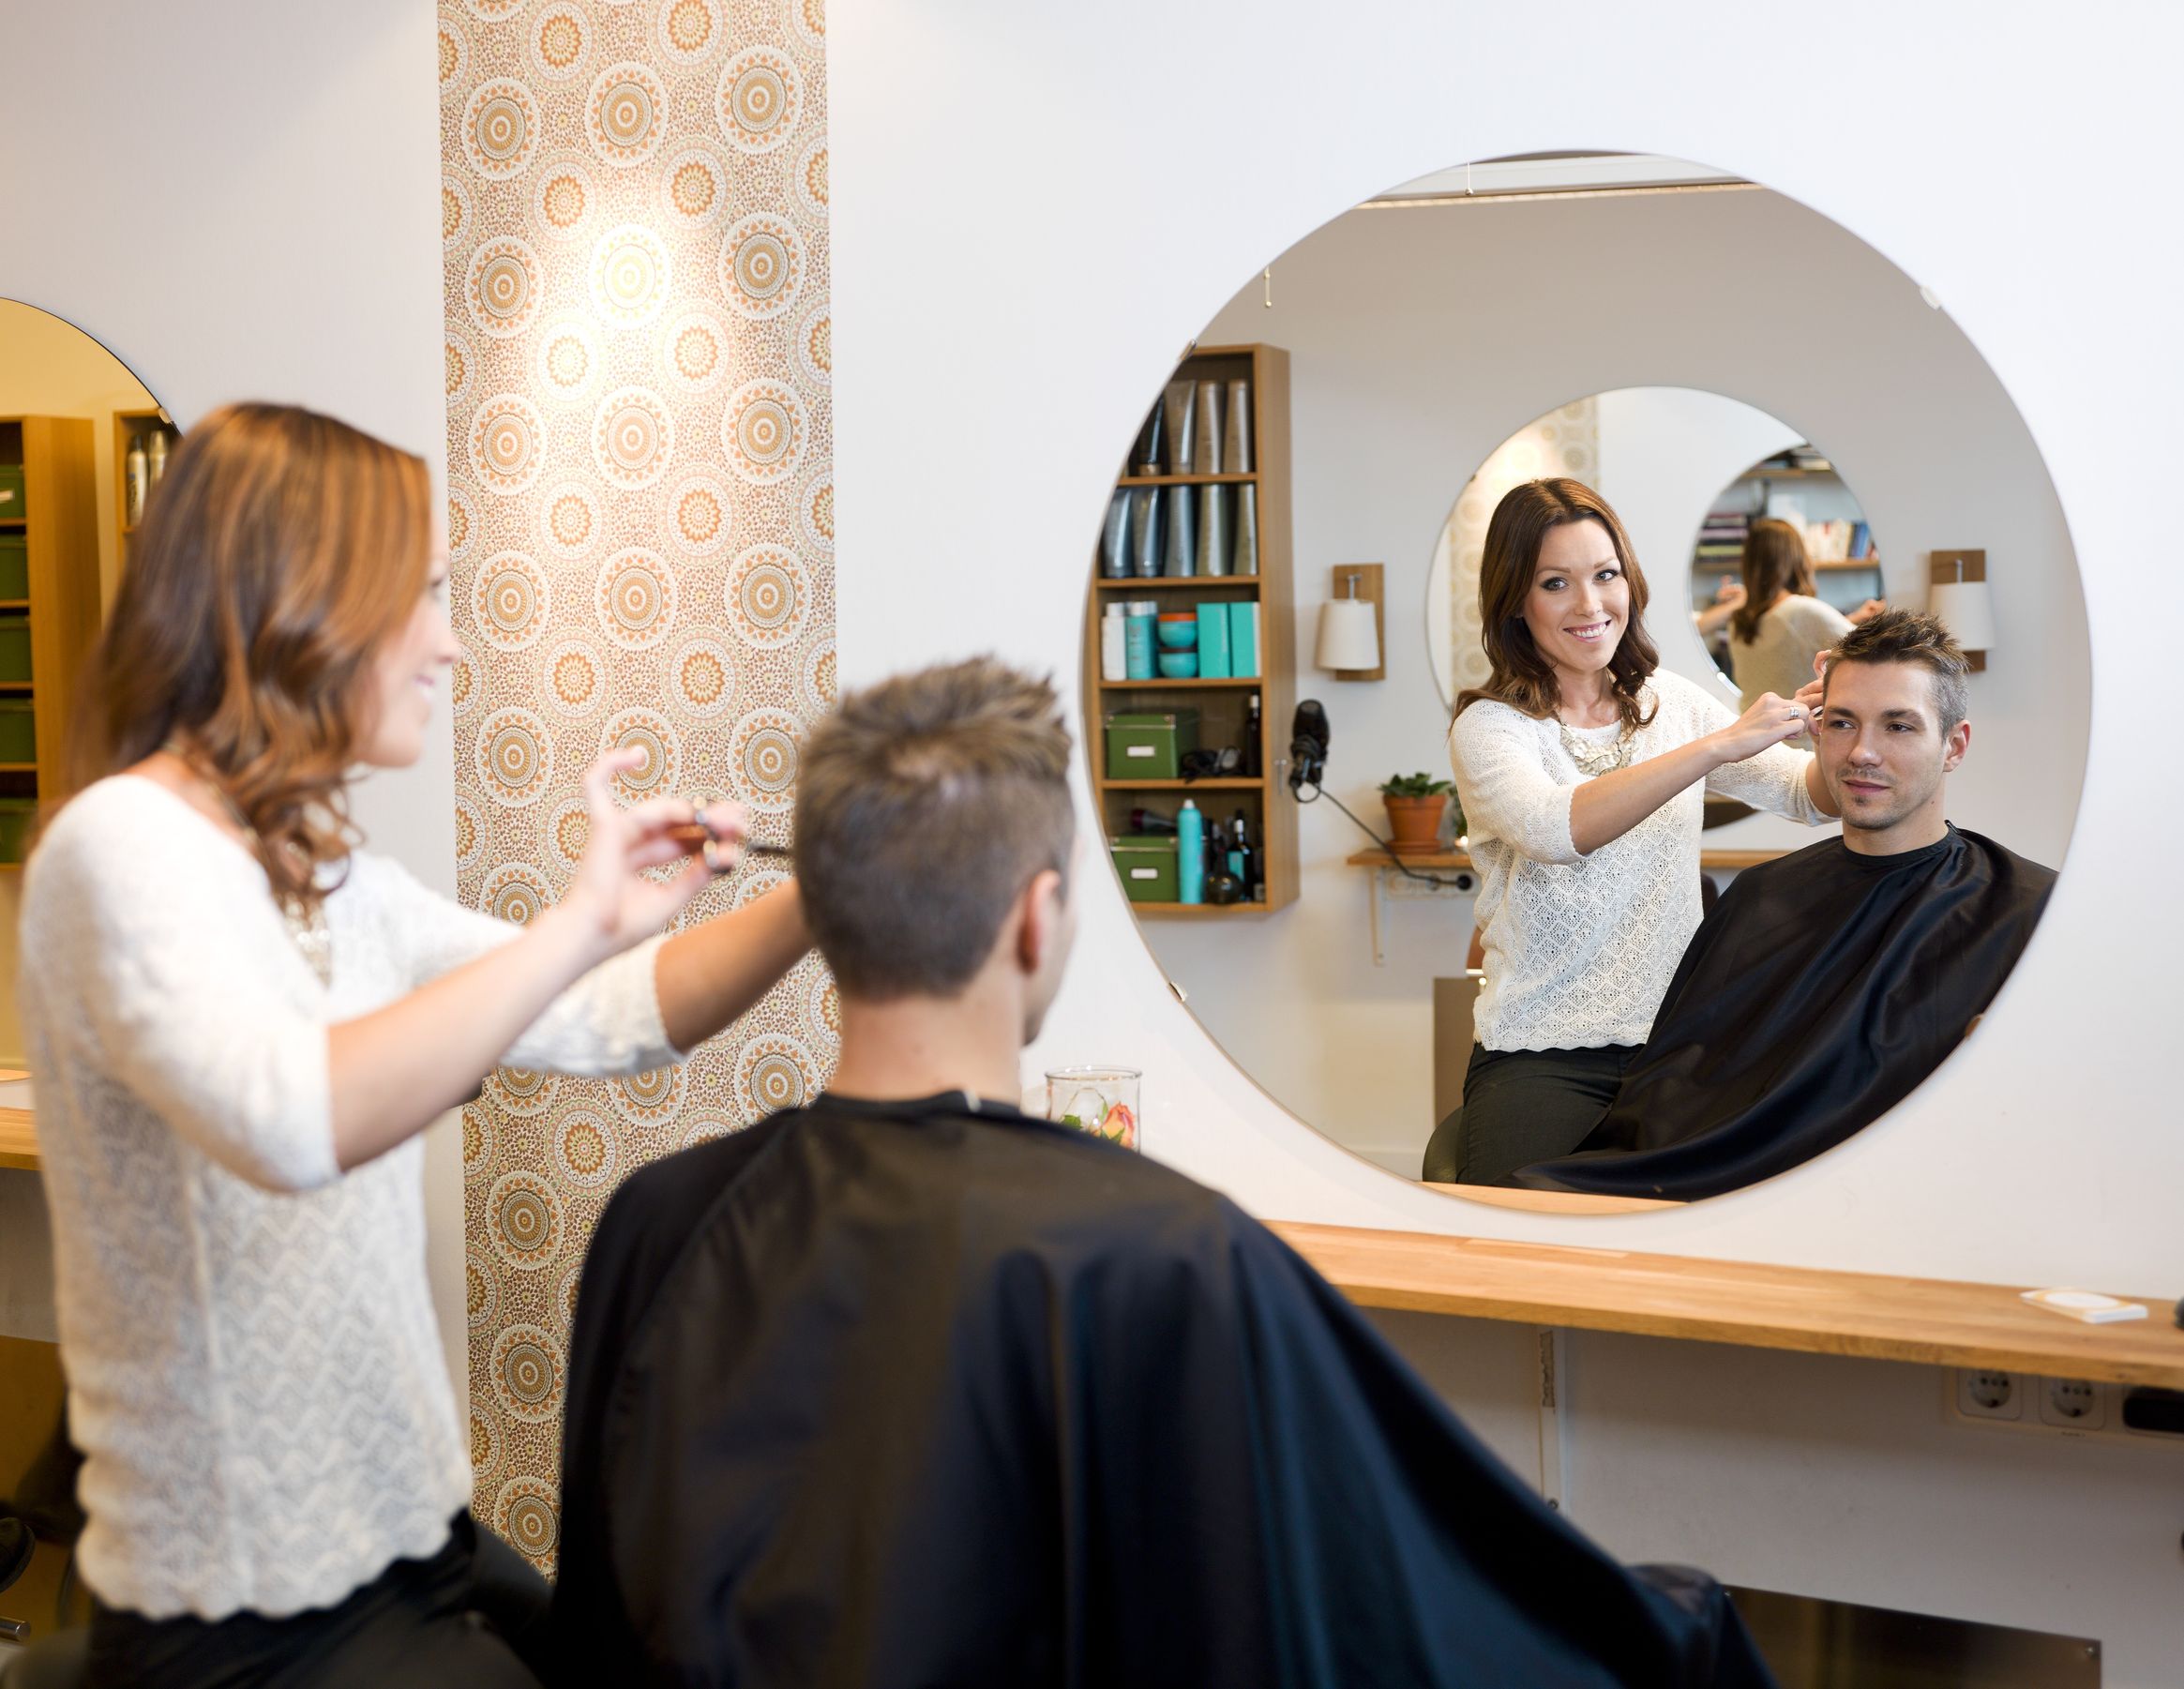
x,y
1580,948
255,1375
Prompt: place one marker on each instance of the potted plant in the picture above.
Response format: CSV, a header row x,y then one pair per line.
x,y
1415,803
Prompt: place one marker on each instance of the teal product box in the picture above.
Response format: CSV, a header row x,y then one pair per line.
x,y
1244,641
1147,865
1213,641
1150,745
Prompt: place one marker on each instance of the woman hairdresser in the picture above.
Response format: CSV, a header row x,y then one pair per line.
x,y
240,1025
1580,770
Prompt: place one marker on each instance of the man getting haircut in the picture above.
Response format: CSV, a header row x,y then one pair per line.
x,y
1825,985
907,1387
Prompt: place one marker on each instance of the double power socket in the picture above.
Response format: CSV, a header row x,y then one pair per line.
x,y
2026,1401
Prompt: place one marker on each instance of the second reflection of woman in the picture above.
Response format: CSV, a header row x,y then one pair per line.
x,y
1582,767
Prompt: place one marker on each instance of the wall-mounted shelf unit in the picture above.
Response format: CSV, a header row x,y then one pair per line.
x,y
1223,704
49,605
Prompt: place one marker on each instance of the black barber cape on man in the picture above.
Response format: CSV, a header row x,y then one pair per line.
x,y
1820,991
935,1393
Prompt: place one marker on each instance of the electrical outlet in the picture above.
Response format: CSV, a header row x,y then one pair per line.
x,y
1983,1394
2072,1404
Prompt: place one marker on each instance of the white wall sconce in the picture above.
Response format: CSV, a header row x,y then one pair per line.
x,y
1960,599
1350,643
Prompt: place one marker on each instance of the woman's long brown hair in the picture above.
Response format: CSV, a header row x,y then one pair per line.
x,y
1519,676
1775,563
280,550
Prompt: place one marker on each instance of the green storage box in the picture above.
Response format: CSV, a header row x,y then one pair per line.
x,y
1148,867
11,492
1148,745
17,814
14,566
18,730
15,650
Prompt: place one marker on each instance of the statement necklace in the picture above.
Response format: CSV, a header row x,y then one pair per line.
x,y
1596,759
306,922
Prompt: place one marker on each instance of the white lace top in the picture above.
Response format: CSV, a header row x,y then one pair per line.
x,y
255,1374
1580,949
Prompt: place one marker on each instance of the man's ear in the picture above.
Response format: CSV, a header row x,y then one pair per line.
x,y
1958,742
1038,919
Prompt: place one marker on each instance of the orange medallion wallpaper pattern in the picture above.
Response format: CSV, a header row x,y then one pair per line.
x,y
641,515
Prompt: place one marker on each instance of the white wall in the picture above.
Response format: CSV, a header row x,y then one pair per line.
x,y
241,202
1025,205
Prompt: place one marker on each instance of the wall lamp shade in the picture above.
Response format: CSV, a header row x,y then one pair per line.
x,y
1350,635
1966,609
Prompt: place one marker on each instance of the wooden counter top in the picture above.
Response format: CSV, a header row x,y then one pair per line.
x,y
1452,860
18,1130
1931,1321
18,1139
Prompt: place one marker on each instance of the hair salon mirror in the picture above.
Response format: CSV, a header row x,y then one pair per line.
x,y
82,442
1806,426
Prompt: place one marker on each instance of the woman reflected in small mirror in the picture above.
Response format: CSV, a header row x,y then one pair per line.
x,y
1776,621
1582,767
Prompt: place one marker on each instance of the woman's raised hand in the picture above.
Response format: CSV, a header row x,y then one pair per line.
x,y
1770,720
612,895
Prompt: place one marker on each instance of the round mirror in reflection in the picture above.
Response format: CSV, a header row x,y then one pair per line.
x,y
1659,946
81,445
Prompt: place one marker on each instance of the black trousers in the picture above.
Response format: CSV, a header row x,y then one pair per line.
x,y
1522,1105
455,1619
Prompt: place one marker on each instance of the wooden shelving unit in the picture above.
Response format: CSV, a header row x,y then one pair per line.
x,y
129,427
59,522
1222,705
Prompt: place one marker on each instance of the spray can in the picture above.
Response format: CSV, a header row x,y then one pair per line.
x,y
1190,856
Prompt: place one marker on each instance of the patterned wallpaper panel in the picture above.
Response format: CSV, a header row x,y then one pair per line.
x,y
1564,442
640,514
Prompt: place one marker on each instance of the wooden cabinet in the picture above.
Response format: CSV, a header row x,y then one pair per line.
x,y
48,614
1222,705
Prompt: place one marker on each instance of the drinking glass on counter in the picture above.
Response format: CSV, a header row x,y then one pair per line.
x,y
1099,1100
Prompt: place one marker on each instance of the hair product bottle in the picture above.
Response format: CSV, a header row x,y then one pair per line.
x,y
138,482
1190,855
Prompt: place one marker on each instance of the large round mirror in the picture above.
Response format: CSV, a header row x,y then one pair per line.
x,y
1609,940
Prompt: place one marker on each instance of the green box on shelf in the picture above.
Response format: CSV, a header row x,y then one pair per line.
x,y
17,814
1148,745
1148,867
18,730
11,484
15,650
14,564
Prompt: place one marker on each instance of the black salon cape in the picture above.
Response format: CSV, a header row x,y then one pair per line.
x,y
937,1393
1823,988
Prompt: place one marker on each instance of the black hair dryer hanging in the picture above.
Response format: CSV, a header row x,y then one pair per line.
x,y
1308,737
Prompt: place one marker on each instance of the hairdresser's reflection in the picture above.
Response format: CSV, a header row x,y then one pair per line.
x,y
240,1024
1580,769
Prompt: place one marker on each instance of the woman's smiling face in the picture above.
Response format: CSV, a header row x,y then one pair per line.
x,y
1580,599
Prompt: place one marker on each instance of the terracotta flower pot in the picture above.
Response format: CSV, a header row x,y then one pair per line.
x,y
1414,824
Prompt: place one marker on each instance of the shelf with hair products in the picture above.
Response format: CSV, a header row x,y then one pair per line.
x,y
1188,662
